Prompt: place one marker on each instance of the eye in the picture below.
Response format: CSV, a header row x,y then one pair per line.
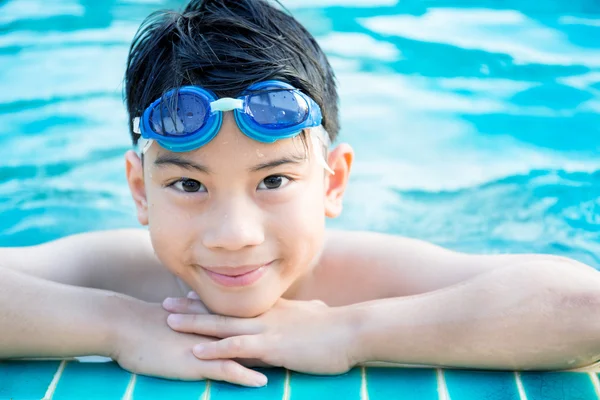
x,y
274,182
188,185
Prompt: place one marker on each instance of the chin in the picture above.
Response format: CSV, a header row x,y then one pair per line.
x,y
240,309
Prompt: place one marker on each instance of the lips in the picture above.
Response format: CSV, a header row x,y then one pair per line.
x,y
237,276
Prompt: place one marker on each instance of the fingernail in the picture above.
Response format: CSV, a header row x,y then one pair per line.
x,y
169,302
174,319
261,380
198,349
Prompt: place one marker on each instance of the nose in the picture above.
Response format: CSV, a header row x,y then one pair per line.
x,y
234,225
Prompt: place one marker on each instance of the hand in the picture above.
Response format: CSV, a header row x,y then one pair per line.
x,y
145,345
305,336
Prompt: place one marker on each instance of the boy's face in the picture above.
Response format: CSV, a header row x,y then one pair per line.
x,y
238,220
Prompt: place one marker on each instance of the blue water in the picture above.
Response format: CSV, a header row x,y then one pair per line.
x,y
476,124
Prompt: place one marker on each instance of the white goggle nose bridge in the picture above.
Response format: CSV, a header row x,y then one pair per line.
x,y
226,104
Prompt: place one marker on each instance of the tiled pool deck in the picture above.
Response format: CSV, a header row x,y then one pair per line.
x,y
71,379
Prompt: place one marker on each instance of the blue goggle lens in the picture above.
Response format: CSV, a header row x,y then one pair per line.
x,y
191,112
277,109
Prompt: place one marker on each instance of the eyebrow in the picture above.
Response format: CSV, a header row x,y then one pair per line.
x,y
181,162
178,161
292,159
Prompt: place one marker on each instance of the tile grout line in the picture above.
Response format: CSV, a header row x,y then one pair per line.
x,y
520,387
206,394
52,386
286,385
595,382
442,388
364,394
130,386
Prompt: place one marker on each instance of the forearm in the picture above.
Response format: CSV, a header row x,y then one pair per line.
x,y
40,318
522,317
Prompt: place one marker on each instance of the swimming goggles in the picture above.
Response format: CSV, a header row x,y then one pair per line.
x,y
267,111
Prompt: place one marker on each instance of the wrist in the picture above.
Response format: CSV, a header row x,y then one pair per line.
x,y
119,316
353,318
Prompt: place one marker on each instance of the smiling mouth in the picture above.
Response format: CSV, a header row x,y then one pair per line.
x,y
237,276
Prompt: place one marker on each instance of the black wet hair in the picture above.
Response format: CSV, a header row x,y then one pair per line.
x,y
225,46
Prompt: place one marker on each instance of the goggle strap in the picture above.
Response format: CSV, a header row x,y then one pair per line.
x,y
143,145
317,141
136,125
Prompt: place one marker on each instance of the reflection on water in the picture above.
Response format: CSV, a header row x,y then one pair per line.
x,y
476,127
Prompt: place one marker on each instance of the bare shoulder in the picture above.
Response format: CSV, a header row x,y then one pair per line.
x,y
120,260
358,266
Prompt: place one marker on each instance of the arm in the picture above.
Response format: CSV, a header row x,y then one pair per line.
x,y
54,298
364,266
522,317
39,318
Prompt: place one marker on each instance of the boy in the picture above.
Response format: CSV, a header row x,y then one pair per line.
x,y
233,106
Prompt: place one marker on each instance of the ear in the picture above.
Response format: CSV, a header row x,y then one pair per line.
x,y
135,178
340,161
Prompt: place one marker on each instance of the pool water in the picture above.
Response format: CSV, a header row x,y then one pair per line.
x,y
476,125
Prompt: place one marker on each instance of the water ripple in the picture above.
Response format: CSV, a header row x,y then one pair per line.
x,y
547,211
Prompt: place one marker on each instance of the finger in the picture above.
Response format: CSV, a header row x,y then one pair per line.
x,y
249,346
213,325
182,305
233,372
193,295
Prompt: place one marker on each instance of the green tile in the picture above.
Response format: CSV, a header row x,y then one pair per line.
x,y
26,379
476,385
273,390
558,386
402,384
88,381
317,387
149,388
